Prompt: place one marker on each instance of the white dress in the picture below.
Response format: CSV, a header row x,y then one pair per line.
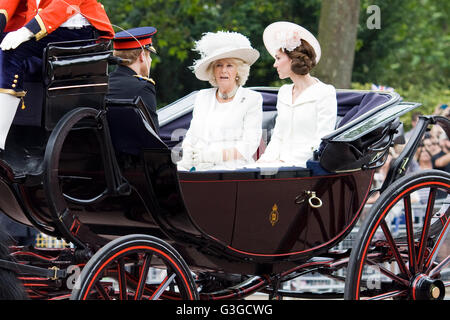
x,y
300,125
218,126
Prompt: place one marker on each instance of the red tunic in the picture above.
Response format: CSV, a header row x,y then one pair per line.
x,y
51,14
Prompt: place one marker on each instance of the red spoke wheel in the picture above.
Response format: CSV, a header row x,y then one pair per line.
x,y
135,267
403,246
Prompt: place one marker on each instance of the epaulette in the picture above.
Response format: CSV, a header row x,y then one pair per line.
x,y
145,78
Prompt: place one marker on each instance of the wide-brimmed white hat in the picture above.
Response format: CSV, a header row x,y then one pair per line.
x,y
220,45
288,36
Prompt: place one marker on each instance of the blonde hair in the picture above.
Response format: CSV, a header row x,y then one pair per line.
x,y
242,68
129,56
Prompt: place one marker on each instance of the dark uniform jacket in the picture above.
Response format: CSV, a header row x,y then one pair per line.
x,y
124,83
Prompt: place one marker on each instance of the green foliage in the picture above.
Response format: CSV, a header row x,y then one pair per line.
x,y
410,49
181,22
410,52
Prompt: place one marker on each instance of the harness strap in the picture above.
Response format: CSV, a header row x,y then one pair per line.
x,y
52,273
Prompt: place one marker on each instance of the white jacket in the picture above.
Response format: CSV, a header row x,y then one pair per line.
x,y
301,124
217,126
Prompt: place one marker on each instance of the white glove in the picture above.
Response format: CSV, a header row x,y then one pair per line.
x,y
187,162
187,152
214,156
15,38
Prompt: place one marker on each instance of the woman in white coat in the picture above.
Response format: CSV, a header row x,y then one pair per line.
x,y
225,130
307,108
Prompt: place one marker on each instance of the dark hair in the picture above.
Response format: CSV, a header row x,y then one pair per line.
x,y
415,115
303,58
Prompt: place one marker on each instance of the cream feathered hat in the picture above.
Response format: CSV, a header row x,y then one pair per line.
x,y
288,35
220,45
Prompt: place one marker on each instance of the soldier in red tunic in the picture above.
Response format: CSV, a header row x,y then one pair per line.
x,y
26,27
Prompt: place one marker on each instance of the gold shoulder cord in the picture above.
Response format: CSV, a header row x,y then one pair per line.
x,y
145,78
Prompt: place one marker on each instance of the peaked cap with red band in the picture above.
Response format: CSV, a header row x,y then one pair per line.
x,y
136,38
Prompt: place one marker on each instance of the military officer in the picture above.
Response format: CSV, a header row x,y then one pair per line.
x,y
26,27
131,78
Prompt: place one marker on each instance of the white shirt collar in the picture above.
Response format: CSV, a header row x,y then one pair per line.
x,y
310,94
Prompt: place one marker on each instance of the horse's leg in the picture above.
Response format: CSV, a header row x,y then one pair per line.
x,y
10,287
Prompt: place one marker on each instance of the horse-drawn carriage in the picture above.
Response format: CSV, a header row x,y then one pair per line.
x,y
96,174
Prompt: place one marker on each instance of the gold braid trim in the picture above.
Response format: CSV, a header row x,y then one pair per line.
x,y
43,31
3,11
145,78
19,94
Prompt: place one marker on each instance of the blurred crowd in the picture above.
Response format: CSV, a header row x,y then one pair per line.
x,y
433,151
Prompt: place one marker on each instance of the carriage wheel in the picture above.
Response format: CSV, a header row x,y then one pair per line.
x,y
135,267
403,247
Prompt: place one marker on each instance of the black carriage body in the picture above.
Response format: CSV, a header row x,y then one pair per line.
x,y
250,234
248,223
89,171
239,222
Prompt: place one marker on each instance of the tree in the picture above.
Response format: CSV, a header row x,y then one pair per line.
x,y
181,22
338,27
410,49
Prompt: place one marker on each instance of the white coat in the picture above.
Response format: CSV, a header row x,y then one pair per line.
x,y
217,126
301,124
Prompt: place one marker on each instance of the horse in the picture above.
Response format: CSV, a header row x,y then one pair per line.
x,y
11,288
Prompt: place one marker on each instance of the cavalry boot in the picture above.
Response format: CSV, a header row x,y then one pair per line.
x,y
8,108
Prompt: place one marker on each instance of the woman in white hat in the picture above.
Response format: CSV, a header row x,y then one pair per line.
x,y
306,108
225,130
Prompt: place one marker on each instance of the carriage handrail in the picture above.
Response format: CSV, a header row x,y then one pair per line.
x,y
79,59
79,45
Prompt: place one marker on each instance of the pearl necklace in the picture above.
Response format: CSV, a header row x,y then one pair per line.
x,y
226,96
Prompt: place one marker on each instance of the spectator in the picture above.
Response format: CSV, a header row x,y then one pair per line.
x,y
424,158
414,119
440,109
431,144
441,160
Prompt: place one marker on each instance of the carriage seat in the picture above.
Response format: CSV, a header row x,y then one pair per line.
x,y
74,74
350,105
131,126
365,151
